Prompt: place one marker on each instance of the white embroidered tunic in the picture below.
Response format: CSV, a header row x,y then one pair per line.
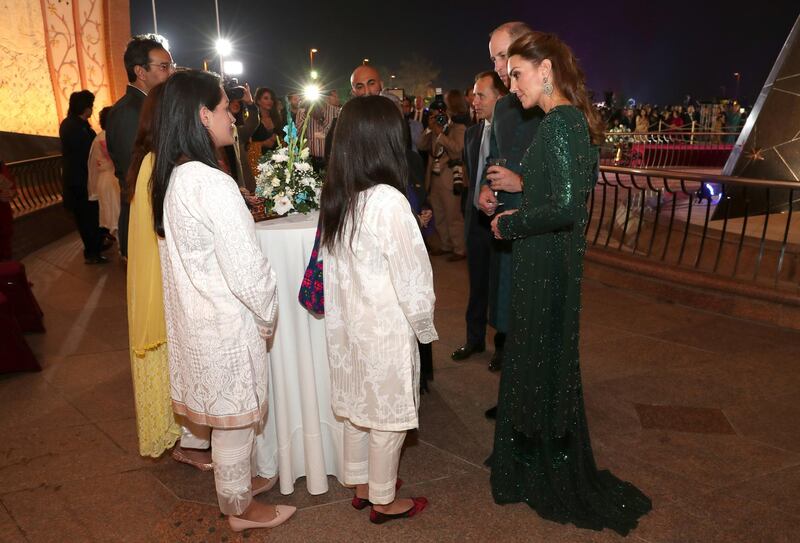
x,y
217,283
379,300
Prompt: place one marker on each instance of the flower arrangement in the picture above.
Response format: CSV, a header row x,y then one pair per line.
x,y
286,180
619,134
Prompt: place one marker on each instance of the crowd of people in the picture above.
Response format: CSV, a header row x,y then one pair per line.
x,y
498,176
723,120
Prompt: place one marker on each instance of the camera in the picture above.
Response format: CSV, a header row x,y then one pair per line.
x,y
233,90
458,176
441,119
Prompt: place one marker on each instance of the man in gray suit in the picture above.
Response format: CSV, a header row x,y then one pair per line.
x,y
147,63
513,130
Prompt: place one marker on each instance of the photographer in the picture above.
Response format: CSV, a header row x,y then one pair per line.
x,y
444,140
244,110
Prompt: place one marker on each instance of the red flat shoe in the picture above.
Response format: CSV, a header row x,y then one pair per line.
x,y
361,503
380,518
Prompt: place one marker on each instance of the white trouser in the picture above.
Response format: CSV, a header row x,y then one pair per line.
x,y
372,457
231,453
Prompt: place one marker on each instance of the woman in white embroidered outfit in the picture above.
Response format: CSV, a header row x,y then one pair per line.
x,y
378,300
219,291
103,184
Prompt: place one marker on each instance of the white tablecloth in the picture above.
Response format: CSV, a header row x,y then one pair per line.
x,y
302,436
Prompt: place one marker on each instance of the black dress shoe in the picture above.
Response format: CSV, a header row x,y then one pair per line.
x,y
467,350
96,260
491,413
496,363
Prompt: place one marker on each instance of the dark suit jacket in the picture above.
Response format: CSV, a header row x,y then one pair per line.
x,y
472,148
121,127
76,141
513,129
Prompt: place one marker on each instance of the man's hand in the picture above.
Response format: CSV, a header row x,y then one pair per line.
x,y
495,228
437,128
487,201
504,179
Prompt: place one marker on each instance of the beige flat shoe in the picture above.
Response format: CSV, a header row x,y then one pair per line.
x,y
282,514
179,456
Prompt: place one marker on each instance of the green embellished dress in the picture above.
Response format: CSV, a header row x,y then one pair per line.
x,y
542,452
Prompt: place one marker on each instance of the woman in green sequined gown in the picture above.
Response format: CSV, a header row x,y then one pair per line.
x,y
542,452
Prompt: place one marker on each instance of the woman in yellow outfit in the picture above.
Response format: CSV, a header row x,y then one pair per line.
x,y
155,422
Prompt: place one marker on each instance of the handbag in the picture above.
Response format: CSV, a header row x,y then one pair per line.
x,y
312,294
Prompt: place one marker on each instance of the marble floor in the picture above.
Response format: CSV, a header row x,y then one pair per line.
x,y
700,411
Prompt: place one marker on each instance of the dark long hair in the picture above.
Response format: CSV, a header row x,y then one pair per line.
x,y
178,134
274,114
143,143
567,74
368,149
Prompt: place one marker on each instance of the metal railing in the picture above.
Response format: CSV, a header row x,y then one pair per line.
x,y
667,149
669,216
38,184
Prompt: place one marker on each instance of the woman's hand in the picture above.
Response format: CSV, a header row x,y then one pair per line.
x,y
248,97
504,179
425,217
487,201
495,228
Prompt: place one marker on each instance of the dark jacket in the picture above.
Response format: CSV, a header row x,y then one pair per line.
x,y
513,129
472,149
76,141
121,128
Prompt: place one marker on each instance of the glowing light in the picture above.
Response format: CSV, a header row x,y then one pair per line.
x,y
311,93
314,74
224,47
314,51
233,67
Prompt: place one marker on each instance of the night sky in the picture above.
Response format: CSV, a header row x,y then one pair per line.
x,y
653,52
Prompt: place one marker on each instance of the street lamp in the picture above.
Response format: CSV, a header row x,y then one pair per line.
x,y
224,48
233,67
366,61
311,93
393,77
311,57
738,77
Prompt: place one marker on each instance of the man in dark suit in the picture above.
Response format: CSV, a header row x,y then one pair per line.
x,y
513,130
76,140
147,63
487,90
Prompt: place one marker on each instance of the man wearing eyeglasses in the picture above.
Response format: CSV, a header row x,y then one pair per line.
x,y
147,63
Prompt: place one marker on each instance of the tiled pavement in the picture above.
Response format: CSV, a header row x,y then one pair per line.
x,y
700,411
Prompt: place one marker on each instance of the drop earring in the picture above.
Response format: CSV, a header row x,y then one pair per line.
x,y
547,87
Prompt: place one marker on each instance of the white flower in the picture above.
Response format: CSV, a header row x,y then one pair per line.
x,y
302,166
304,153
308,181
279,157
275,182
282,204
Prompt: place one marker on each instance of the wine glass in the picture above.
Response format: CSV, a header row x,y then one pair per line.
x,y
496,162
